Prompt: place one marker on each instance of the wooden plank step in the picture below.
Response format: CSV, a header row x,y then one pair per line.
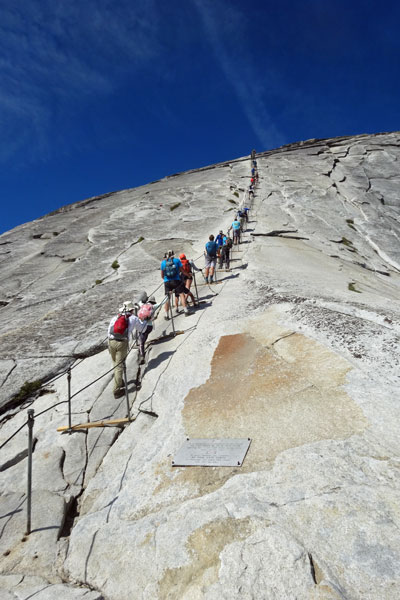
x,y
104,423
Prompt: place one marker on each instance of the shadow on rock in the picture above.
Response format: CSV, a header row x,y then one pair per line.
x,y
155,362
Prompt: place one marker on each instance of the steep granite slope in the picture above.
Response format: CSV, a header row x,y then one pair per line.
x,y
296,348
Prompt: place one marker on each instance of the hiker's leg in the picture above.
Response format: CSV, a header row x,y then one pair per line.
x,y
120,352
183,300
142,339
112,350
212,268
167,293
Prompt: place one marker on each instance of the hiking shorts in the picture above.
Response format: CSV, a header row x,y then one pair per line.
x,y
182,289
211,261
176,285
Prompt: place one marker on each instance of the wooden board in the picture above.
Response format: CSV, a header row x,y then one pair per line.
x,y
104,423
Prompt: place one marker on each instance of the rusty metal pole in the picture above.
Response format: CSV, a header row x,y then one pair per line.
x,y
31,421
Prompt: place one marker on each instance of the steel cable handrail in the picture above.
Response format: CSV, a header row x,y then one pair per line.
x,y
64,372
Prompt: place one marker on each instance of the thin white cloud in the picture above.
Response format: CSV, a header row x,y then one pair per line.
x,y
222,26
54,54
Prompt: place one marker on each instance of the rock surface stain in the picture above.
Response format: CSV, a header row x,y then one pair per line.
x,y
283,395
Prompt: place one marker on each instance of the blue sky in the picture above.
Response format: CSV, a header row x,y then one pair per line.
x,y
102,95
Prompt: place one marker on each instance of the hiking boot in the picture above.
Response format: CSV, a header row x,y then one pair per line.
x,y
206,279
118,393
211,280
166,318
188,313
142,360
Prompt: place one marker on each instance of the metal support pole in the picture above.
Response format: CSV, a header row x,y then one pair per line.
x,y
31,421
195,286
171,313
128,410
69,400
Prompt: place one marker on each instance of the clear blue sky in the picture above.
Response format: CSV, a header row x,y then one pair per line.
x,y
102,95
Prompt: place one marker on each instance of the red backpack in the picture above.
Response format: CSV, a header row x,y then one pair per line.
x,y
120,328
186,268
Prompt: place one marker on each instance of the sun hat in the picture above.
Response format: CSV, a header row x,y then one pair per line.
x,y
152,300
126,307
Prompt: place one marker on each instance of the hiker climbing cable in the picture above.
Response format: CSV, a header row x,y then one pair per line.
x,y
241,217
235,227
120,330
171,269
210,254
219,241
148,310
224,256
185,289
187,276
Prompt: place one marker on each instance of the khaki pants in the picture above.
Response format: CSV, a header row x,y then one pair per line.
x,y
118,351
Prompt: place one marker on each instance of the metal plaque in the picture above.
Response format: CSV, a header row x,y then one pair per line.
x,y
212,453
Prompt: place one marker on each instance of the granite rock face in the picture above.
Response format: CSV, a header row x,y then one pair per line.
x,y
296,348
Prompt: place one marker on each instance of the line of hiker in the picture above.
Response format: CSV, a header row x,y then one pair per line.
x,y
177,275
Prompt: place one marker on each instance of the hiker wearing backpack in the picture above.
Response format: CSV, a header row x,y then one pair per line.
x,y
219,241
120,330
187,277
210,254
171,269
241,217
236,231
224,257
147,311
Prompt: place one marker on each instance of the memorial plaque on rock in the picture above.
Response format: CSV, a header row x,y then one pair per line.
x,y
203,452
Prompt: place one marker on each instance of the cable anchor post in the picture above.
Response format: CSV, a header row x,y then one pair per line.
x,y
128,410
171,313
31,421
69,401
195,286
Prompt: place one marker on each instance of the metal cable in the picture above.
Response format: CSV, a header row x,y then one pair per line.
x,y
58,376
13,435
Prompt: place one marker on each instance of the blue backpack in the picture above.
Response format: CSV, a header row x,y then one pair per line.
x,y
211,249
171,270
